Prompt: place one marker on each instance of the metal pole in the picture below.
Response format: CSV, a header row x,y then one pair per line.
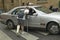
x,y
27,23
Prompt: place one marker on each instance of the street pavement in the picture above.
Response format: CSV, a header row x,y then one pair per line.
x,y
32,34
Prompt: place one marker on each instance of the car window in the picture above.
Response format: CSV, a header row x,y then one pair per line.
x,y
20,11
31,11
43,9
15,11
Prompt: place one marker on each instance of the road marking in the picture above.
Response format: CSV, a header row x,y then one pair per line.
x,y
27,36
43,33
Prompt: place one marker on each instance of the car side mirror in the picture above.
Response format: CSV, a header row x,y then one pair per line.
x,y
35,14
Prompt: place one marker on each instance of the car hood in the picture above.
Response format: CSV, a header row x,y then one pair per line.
x,y
5,14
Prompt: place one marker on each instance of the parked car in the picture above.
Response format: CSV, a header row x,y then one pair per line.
x,y
42,18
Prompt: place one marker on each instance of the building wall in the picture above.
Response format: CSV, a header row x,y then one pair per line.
x,y
55,3
9,5
1,4
47,3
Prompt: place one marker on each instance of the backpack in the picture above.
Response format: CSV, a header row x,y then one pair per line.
x,y
20,14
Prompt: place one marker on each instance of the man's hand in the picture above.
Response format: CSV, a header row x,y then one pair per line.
x,y
35,14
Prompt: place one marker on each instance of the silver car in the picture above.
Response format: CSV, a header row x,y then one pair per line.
x,y
41,17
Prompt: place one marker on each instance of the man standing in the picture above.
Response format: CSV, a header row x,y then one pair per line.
x,y
21,20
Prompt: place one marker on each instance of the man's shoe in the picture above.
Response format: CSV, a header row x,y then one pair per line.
x,y
22,32
17,34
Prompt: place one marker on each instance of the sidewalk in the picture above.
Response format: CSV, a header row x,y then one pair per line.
x,y
4,36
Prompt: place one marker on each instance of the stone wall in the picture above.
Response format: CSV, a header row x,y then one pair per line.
x,y
7,5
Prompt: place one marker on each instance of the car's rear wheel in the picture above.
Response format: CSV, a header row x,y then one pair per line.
x,y
10,25
53,28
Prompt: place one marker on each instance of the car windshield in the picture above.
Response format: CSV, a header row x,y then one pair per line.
x,y
44,9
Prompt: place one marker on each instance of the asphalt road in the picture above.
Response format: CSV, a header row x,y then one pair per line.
x,y
33,34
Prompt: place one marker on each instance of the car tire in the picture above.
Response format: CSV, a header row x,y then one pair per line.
x,y
10,25
53,28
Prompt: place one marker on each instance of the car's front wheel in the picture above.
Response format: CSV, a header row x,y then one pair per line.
x,y
53,28
10,25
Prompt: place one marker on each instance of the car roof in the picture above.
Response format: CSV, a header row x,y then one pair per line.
x,y
28,6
